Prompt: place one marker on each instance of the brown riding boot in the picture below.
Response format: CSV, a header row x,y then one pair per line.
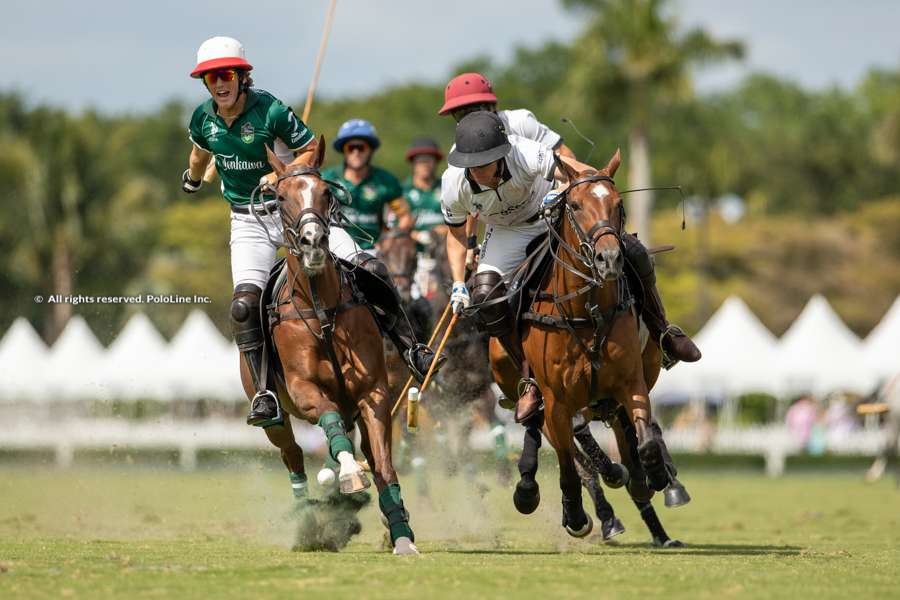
x,y
529,401
674,343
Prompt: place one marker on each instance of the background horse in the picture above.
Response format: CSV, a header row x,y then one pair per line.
x,y
465,394
329,348
583,347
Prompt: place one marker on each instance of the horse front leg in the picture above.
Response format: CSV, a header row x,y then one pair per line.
x,y
636,400
376,415
316,406
558,427
610,525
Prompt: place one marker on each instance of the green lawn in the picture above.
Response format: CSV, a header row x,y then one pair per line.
x,y
98,532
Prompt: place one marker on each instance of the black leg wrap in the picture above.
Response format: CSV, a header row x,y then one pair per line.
x,y
651,520
591,448
527,495
591,483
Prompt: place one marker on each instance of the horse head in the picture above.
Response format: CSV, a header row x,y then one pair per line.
x,y
305,202
597,216
398,251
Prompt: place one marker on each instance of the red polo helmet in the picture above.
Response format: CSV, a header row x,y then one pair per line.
x,y
465,89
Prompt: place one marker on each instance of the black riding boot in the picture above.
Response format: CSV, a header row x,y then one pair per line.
x,y
496,319
674,343
245,325
387,307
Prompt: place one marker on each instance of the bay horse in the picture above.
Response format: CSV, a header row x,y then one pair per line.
x,y
581,340
330,349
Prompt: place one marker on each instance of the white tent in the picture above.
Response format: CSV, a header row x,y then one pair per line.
x,y
202,364
76,364
738,357
882,347
820,355
135,364
23,363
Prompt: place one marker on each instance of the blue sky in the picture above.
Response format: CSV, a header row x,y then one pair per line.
x,y
131,56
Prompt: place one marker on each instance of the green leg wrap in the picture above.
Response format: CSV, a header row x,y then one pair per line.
x,y
336,433
391,505
299,485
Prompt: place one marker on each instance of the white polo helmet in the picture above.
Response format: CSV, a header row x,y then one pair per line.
x,y
220,53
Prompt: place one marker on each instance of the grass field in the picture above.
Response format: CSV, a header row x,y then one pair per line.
x,y
101,532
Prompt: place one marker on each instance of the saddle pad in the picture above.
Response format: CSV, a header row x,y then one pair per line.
x,y
643,333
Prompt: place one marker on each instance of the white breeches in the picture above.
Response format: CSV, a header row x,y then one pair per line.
x,y
503,248
253,252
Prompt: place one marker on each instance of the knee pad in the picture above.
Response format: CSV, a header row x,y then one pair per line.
x,y
638,257
245,321
494,319
373,265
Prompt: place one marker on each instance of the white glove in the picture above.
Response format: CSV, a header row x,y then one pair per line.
x,y
459,297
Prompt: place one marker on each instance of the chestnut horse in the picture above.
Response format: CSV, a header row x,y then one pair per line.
x,y
330,349
581,340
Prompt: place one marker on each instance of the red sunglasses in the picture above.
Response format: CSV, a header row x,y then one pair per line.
x,y
211,77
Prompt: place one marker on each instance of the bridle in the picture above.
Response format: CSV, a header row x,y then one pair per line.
x,y
307,215
586,252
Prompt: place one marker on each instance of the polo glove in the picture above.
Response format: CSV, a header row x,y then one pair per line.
x,y
459,297
189,185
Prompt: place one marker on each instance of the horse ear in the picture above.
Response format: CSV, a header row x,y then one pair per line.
x,y
275,162
320,152
613,164
571,173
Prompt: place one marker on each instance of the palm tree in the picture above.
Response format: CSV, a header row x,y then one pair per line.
x,y
629,63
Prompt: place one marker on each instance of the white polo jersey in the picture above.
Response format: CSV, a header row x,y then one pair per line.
x,y
527,177
523,123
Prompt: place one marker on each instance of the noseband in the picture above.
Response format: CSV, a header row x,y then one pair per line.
x,y
586,253
306,215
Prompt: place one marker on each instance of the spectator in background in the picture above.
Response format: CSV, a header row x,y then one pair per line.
x,y
890,395
800,419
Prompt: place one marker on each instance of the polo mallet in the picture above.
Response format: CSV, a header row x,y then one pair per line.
x,y
307,108
412,409
434,334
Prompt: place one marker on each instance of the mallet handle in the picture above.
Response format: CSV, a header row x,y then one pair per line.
x,y
409,381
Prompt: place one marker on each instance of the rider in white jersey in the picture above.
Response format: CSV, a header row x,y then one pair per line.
x,y
472,92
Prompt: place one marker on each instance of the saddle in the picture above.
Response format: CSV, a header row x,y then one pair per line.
x,y
364,288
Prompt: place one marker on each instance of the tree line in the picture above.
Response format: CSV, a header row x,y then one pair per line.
x,y
93,205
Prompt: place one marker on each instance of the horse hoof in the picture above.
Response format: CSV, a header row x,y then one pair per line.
x,y
670,543
354,482
404,546
610,528
527,497
617,477
585,530
676,495
650,455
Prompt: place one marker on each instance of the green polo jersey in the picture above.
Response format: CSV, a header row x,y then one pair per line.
x,y
240,150
425,204
370,197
